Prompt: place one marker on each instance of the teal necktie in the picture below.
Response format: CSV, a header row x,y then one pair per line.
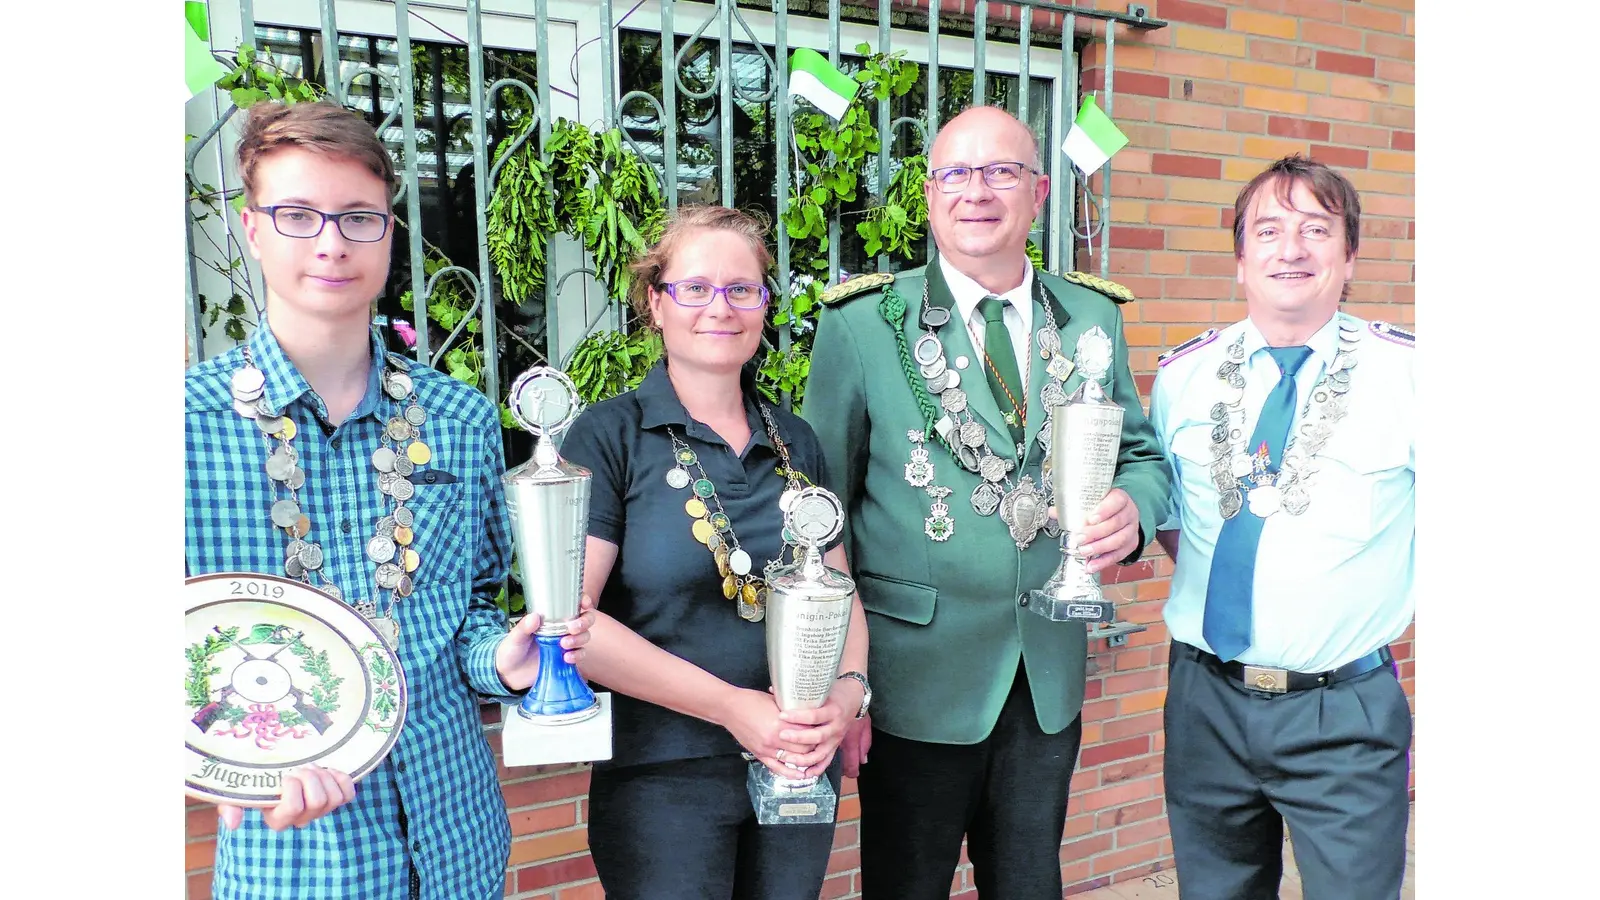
x,y
1233,567
1000,364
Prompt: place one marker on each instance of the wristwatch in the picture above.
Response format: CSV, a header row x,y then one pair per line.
x,y
866,689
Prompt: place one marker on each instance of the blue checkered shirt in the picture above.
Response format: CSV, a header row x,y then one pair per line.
x,y
433,808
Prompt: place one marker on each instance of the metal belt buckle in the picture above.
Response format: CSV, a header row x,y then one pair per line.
x,y
1261,678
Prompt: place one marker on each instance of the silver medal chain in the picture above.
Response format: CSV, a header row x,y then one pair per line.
x,y
1240,478
389,548
968,437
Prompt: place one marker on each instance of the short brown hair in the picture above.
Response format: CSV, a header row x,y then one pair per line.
x,y
648,267
321,127
1334,191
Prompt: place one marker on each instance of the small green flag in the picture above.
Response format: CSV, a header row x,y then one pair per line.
x,y
812,77
200,69
1093,138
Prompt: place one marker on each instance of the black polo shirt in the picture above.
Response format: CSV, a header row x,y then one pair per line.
x,y
664,584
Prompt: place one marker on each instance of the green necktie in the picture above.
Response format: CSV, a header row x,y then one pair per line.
x,y
1000,364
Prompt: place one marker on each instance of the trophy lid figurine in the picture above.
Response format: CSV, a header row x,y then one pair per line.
x,y
548,499
1086,437
808,618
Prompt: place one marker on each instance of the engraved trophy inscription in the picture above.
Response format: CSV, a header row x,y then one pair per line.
x,y
1086,436
808,618
548,501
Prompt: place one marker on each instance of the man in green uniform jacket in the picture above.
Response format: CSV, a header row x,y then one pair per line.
x,y
916,392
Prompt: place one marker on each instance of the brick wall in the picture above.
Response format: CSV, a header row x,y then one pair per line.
x,y
1207,102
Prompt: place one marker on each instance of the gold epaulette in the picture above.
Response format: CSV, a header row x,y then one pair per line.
x,y
1116,292
857,285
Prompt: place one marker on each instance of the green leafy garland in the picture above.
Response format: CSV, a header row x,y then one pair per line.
x,y
836,155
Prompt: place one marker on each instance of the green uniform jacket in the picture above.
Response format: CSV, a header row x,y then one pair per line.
x,y
945,624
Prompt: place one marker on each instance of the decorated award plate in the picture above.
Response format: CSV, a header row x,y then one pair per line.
x,y
278,675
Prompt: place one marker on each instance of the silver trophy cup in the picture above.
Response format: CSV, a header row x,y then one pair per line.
x,y
1086,438
548,500
808,618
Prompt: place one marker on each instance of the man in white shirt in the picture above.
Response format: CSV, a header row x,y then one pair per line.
x,y
1292,449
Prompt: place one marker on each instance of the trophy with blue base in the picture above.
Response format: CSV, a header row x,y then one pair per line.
x,y
560,719
808,618
1086,438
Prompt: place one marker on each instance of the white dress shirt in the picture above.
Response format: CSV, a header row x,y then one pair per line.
x,y
1334,583
1018,315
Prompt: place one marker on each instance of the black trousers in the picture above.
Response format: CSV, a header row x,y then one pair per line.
x,y
1331,762
1007,794
685,830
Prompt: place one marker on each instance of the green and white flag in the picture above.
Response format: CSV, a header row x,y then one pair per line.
x,y
200,69
813,78
1093,138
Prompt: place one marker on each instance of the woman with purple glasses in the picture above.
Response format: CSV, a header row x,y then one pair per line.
x,y
684,517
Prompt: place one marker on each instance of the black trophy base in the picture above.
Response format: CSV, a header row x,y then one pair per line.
x,y
780,801
1068,609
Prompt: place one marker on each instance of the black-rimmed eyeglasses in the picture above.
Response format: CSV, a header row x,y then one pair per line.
x,y
362,226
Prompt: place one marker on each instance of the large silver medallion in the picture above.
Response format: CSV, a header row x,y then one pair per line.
x,y
1024,511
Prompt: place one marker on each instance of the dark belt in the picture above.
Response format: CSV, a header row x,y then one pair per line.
x,y
1281,681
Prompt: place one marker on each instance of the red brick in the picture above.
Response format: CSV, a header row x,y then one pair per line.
x,y
203,854
1326,10
1341,108
1359,135
1133,812
1142,767
1138,238
1099,709
198,885
1331,35
1395,116
1123,749
1086,847
544,790
1141,680
1383,228
533,878
1093,688
590,891
1329,61
543,818
200,822
1396,70
1084,887
1339,156
1151,830
1128,83
1144,723
844,861
1127,659
835,886
1216,92
1392,46
1283,54
1188,166
1132,185
1173,112
1247,122
1359,15
1205,14
1404,140
1121,859
1290,127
